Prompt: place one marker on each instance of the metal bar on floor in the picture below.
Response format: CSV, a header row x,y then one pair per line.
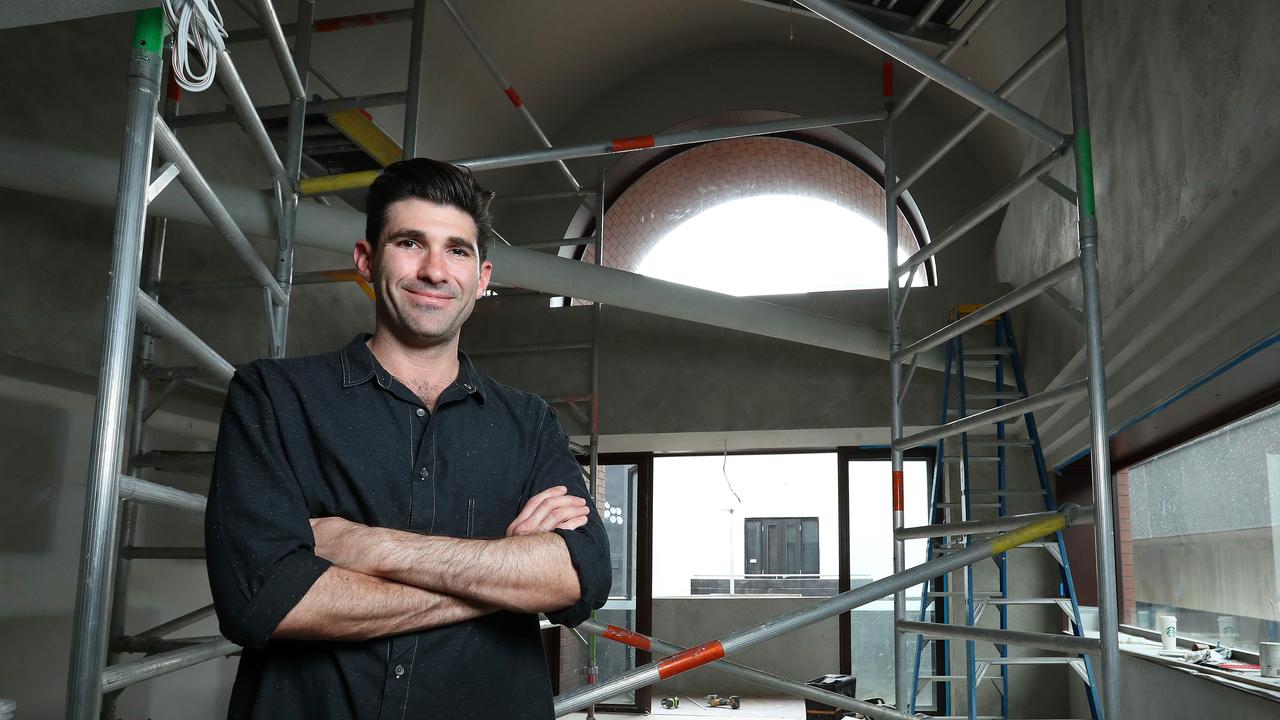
x,y
982,212
789,622
280,47
276,112
757,678
169,328
1082,516
991,416
1104,538
203,195
130,673
864,29
501,78
349,181
989,311
233,87
1015,81
970,27
1055,642
145,491
89,637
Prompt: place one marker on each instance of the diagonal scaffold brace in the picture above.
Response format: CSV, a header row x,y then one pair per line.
x,y
736,642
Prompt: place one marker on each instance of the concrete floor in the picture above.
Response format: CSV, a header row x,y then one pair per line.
x,y
755,708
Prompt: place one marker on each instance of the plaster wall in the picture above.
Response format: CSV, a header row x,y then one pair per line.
x,y
1185,154
1150,691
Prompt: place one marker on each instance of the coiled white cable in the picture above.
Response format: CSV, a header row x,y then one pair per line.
x,y
197,25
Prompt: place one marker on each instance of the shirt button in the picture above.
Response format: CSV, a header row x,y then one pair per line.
x,y
421,412
469,388
422,472
399,670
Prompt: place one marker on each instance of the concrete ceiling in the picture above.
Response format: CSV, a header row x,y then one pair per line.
x,y
562,54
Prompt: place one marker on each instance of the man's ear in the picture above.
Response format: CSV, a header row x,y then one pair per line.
x,y
486,269
363,258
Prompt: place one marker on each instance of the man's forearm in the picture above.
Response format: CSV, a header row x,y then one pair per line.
x,y
525,573
347,605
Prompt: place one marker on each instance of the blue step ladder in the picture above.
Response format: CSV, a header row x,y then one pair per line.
x,y
955,461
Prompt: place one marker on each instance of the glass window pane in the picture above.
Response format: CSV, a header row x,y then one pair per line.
x,y
1200,536
871,558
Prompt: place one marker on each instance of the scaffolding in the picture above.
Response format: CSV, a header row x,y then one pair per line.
x,y
110,514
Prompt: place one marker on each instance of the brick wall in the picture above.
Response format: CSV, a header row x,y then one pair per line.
x,y
711,174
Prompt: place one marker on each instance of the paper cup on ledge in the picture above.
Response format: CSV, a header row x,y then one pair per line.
x,y
1167,625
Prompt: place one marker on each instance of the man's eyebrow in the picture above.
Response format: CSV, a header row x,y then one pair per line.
x,y
466,242
408,233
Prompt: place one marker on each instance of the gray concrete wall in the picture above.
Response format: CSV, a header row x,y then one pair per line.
x,y
1151,691
1185,154
45,460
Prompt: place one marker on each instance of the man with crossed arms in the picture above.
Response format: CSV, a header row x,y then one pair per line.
x,y
385,521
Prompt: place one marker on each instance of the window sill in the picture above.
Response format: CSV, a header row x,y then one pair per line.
x,y
1135,642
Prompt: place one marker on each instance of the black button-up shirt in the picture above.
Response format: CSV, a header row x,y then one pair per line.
x,y
337,435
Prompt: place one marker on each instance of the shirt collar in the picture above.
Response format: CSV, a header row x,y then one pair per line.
x,y
359,366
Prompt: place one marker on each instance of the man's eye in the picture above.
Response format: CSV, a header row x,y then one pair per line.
x,y
461,252
406,243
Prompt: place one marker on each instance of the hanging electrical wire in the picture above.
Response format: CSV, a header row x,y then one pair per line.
x,y
197,26
724,470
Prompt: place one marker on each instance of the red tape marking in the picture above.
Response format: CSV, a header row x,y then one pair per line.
x,y
898,504
513,96
690,659
887,80
640,142
626,637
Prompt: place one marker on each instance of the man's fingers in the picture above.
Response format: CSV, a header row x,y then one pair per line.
x,y
535,501
573,523
549,513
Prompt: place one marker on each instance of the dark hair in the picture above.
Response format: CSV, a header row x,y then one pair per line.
x,y
432,180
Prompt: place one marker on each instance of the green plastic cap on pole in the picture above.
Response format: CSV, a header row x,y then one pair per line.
x,y
149,28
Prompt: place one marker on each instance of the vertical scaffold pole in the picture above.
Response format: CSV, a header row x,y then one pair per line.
x,y
901,656
1101,460
596,310
288,196
413,91
97,545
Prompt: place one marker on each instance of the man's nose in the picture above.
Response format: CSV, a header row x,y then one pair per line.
x,y
433,268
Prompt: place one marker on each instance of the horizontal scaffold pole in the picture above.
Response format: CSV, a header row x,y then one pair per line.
x,y
123,675
351,181
783,624
139,490
1070,644
275,112
742,672
992,416
902,51
977,527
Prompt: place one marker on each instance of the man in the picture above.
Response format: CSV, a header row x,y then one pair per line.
x,y
385,521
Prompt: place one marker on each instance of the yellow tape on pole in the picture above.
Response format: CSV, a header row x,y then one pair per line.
x,y
330,184
1034,531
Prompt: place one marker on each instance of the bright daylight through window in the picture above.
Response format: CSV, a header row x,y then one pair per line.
x,y
773,245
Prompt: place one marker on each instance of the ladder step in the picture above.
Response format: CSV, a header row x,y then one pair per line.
x,y
971,505
1027,601
1006,493
981,363
1001,350
183,461
972,458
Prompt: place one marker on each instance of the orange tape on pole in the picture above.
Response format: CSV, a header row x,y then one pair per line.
x,y
639,142
898,503
351,21
513,96
690,659
626,637
887,80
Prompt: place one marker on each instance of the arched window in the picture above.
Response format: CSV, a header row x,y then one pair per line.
x,y
755,216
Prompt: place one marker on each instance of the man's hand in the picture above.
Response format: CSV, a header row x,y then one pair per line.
x,y
551,509
344,543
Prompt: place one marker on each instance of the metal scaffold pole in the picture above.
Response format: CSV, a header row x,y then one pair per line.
x,y
93,593
901,656
1100,458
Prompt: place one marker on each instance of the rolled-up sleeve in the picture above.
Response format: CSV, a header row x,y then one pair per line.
x,y
588,545
258,540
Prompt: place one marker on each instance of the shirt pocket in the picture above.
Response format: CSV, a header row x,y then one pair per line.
x,y
488,517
